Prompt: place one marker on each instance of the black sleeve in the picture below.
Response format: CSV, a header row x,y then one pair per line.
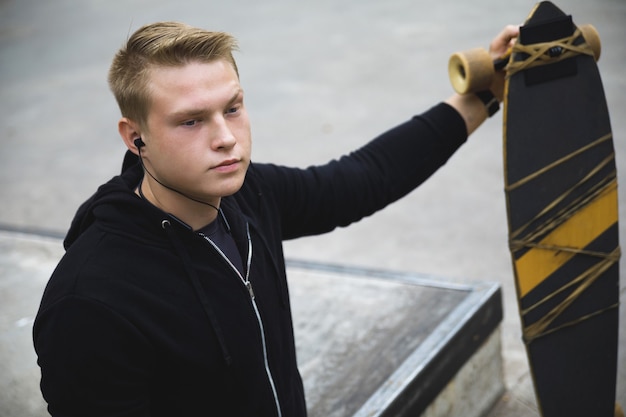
x,y
93,362
318,199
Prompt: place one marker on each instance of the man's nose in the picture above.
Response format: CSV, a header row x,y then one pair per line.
x,y
223,136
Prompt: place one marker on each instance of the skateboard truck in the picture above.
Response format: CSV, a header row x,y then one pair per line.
x,y
473,70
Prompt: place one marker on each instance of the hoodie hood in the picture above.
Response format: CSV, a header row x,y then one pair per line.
x,y
115,203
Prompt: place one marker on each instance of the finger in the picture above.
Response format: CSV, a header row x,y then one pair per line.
x,y
504,40
510,32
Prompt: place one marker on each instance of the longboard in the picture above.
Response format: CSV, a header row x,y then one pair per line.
x,y
561,194
561,191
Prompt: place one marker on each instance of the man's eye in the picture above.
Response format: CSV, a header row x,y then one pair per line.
x,y
232,110
190,123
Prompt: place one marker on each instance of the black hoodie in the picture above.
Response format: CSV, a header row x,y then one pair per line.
x,y
144,317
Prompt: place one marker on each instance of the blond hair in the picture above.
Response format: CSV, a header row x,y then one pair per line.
x,y
167,44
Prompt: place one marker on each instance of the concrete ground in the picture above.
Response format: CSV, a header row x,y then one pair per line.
x,y
321,78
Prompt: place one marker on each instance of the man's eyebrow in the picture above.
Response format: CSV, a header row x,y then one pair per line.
x,y
236,96
193,112
187,113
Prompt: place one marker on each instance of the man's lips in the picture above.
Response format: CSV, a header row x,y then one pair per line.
x,y
227,165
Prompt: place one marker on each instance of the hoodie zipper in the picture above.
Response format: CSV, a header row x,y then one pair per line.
x,y
246,282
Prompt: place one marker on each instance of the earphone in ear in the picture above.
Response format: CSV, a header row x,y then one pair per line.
x,y
139,143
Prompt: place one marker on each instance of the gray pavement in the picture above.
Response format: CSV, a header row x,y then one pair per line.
x,y
320,78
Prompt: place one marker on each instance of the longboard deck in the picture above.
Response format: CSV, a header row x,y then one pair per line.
x,y
561,189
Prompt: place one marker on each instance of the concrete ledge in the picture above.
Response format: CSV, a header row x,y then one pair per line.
x,y
378,343
26,262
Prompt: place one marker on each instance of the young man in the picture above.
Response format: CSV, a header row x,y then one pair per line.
x,y
172,297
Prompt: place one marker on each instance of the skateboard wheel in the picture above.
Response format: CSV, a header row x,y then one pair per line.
x,y
592,38
471,71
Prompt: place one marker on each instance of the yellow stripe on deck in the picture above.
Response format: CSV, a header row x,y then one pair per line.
x,y
577,232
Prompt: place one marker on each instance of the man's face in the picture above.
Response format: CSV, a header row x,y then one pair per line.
x,y
198,139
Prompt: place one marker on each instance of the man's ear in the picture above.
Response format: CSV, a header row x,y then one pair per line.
x,y
129,131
